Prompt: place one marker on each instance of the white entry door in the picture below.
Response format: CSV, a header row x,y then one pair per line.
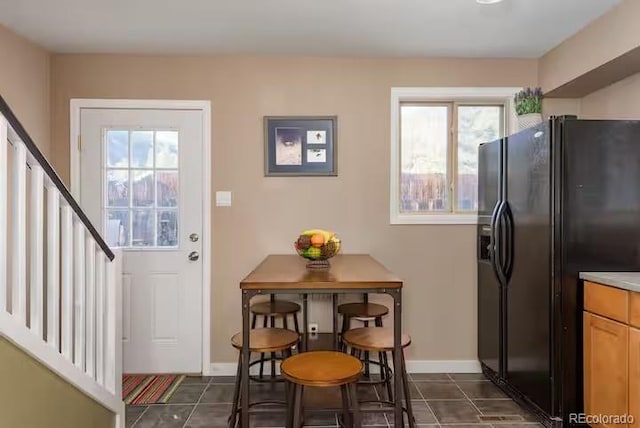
x,y
141,180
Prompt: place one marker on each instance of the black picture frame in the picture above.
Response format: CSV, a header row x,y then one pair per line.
x,y
300,146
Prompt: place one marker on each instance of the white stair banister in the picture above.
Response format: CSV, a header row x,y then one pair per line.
x,y
110,346
4,199
61,302
36,250
19,236
53,267
66,298
100,316
79,279
90,283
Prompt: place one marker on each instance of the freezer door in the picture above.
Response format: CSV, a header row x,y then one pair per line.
x,y
528,291
489,178
489,301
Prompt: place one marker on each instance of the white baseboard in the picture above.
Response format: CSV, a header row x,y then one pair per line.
x,y
443,366
413,366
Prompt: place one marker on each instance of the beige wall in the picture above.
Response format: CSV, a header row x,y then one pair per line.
x,y
437,262
560,106
608,37
34,397
618,101
24,84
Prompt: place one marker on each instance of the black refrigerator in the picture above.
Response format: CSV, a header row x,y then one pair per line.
x,y
554,200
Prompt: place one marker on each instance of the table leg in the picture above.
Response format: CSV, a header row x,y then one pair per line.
x,y
244,413
305,321
334,300
397,362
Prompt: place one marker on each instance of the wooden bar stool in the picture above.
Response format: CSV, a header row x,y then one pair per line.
x,y
322,369
365,312
270,311
260,340
380,340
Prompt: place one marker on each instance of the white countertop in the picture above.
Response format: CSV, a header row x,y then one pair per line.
x,y
625,280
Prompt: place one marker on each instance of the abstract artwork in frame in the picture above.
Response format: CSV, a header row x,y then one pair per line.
x,y
300,146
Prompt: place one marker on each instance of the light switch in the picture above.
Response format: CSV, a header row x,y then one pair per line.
x,y
223,198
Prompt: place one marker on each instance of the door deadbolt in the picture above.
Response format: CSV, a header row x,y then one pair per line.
x,y
194,237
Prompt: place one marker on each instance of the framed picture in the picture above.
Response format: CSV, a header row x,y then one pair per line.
x,y
300,145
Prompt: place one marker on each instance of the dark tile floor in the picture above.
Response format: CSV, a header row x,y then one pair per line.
x,y
439,400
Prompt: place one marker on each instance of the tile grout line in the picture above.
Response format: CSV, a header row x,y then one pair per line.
x,y
138,418
428,406
466,396
481,412
196,405
379,399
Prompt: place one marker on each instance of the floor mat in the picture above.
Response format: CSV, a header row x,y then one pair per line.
x,y
149,389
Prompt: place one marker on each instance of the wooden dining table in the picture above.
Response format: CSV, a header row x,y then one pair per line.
x,y
348,273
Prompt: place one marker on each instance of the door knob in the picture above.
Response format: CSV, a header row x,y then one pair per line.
x,y
193,256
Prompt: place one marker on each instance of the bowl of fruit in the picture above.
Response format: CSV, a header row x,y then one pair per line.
x,y
317,246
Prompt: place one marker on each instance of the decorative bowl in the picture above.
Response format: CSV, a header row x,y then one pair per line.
x,y
317,246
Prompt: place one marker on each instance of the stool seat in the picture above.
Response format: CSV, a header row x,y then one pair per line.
x,y
364,310
275,308
377,339
267,339
321,369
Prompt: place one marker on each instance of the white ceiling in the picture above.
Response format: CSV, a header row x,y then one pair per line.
x,y
409,28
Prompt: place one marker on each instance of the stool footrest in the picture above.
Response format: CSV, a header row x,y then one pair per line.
x,y
277,379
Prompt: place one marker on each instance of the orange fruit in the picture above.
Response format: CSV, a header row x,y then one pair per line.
x,y
317,240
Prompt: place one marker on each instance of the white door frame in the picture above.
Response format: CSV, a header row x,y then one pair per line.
x,y
77,104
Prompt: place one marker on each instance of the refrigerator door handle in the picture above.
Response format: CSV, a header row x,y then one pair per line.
x,y
496,254
508,220
492,238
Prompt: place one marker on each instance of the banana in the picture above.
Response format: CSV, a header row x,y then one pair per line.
x,y
326,234
310,232
337,242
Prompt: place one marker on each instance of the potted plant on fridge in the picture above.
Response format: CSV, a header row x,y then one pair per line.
x,y
528,103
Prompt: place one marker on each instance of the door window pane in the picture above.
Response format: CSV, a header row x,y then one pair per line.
x,y
142,228
117,148
424,140
117,226
142,188
142,149
167,228
117,188
476,125
166,149
167,182
141,179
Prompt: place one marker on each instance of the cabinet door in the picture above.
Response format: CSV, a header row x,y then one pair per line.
x,y
634,376
606,365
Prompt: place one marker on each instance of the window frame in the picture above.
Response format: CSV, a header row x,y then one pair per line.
x,y
454,97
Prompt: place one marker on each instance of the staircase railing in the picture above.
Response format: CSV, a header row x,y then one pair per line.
x,y
60,283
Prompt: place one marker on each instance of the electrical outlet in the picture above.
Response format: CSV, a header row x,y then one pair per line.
x,y
313,328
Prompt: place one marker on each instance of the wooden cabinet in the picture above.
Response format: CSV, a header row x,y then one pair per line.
x,y
634,310
606,301
611,353
634,376
606,361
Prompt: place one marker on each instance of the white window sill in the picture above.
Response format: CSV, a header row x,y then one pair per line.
x,y
434,219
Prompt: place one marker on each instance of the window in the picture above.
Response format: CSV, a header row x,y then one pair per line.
x,y
435,137
141,180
